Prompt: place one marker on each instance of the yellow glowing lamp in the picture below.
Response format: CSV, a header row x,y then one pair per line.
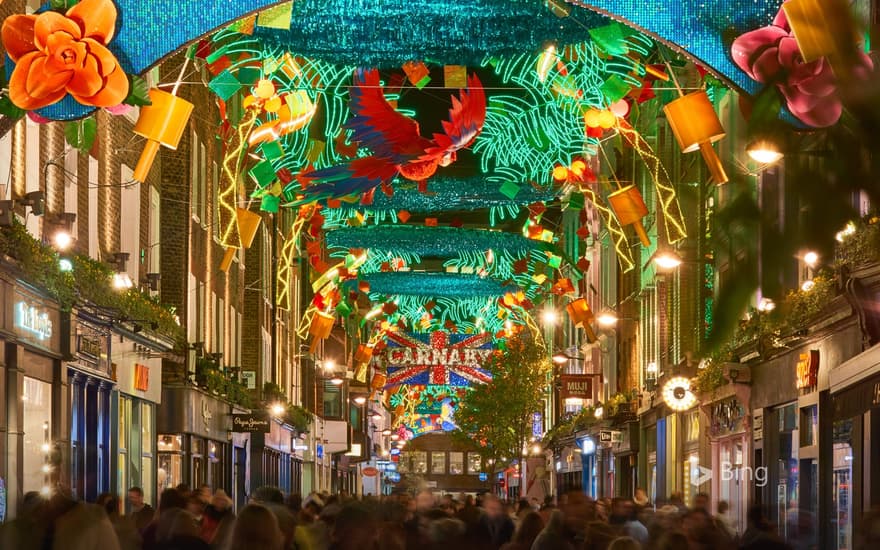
x,y
322,324
820,27
696,126
248,224
629,207
581,315
162,123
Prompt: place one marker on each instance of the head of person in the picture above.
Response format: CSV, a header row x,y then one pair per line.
x,y
493,506
221,501
723,507
312,506
424,501
204,494
136,498
195,505
171,499
701,501
256,527
110,503
624,543
268,494
528,529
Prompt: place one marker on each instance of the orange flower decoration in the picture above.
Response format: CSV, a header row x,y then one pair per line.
x,y
57,54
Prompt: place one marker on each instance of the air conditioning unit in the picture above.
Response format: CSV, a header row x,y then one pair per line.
x,y
737,373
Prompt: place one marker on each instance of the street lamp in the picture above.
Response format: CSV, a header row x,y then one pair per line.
x,y
549,316
277,409
360,400
560,358
667,259
607,319
764,151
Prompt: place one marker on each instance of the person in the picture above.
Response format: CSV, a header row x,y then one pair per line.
x,y
273,499
256,527
127,533
139,511
354,528
624,543
641,498
217,520
169,500
499,524
724,521
759,533
553,536
701,502
530,526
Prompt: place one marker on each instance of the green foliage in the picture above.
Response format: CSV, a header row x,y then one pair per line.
x,y
9,109
220,381
710,378
294,415
89,282
862,246
498,415
138,92
81,134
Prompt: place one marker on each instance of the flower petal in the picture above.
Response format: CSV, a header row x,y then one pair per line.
x,y
18,85
106,60
96,17
86,81
50,22
114,92
65,53
42,82
766,67
747,47
18,35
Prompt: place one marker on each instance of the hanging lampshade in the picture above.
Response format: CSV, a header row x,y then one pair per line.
x,y
162,123
822,28
363,354
582,316
629,207
248,223
378,381
696,126
322,324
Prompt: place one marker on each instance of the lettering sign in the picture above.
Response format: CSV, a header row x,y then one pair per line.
x,y
579,386
141,377
437,358
369,471
808,370
90,347
249,379
250,423
33,320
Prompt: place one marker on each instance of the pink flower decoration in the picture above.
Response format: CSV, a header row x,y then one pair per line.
x,y
771,55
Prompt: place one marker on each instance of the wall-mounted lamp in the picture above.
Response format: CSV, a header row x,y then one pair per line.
x,y
36,200
152,281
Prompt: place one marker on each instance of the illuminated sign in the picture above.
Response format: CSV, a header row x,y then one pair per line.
x,y
33,320
589,446
141,377
578,386
437,358
807,370
250,423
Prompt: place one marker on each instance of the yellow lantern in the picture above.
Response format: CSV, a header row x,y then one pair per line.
x,y
629,207
248,223
581,315
696,126
162,123
363,354
820,27
322,325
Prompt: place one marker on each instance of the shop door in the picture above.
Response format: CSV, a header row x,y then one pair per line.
x,y
240,473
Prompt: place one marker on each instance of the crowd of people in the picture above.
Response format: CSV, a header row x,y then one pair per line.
x,y
203,519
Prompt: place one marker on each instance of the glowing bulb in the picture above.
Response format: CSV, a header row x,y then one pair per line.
x,y
764,152
45,491
46,468
848,230
606,319
360,400
329,364
808,285
122,281
45,448
600,411
677,394
62,240
766,305
336,381
667,260
536,449
277,409
386,432
549,317
811,258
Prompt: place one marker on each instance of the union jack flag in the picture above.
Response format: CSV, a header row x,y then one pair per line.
x,y
437,358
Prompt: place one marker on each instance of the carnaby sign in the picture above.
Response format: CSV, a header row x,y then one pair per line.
x,y
437,358
250,423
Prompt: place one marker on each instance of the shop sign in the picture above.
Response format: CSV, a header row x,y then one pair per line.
x,y
727,417
369,471
576,386
758,427
141,377
319,451
393,477
808,370
437,358
90,347
251,423
537,424
249,379
32,320
395,451
484,476
610,436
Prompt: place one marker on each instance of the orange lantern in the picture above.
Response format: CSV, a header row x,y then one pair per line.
x,y
363,354
322,324
629,207
378,381
248,223
821,27
696,126
581,315
162,123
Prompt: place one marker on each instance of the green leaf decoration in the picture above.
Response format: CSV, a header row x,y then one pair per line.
x,y
62,5
9,109
80,134
138,92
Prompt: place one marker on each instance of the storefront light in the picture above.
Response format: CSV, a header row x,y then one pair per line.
x,y
336,381
277,409
45,448
588,445
677,394
360,400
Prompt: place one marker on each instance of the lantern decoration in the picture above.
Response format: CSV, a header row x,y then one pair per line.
x,y
581,315
363,354
248,223
677,394
629,207
162,123
820,27
696,126
322,324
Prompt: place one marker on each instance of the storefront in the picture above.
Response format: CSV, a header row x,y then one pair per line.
x,y
652,462
193,446
34,428
624,442
139,377
730,449
91,387
271,456
854,451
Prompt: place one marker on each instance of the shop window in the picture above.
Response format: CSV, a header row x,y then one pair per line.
x,y
332,400
474,464
809,430
438,462
37,424
419,462
841,497
170,456
456,463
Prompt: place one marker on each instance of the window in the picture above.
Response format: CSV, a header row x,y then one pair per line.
x,y
32,172
692,426
438,462
419,462
37,422
475,463
332,400
456,463
71,159
130,222
6,161
809,428
198,175
155,230
93,206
